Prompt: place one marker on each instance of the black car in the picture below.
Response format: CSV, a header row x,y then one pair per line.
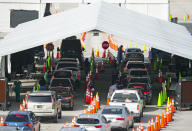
x,y
134,54
66,96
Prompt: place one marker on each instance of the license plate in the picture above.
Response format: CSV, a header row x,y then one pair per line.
x,y
39,106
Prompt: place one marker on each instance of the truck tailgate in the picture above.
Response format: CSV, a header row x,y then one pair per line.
x,y
131,106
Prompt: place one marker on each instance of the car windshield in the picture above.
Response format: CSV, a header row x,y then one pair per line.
x,y
112,111
39,99
87,121
138,73
129,66
71,68
139,80
63,65
17,118
60,82
133,50
62,74
125,97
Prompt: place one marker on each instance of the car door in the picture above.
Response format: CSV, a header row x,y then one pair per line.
x,y
129,116
105,124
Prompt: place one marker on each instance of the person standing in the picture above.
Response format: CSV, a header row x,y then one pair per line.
x,y
87,66
17,90
119,54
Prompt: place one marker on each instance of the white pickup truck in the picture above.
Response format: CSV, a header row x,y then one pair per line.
x,y
44,104
129,98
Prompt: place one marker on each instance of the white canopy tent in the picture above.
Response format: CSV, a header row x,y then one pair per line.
x,y
105,17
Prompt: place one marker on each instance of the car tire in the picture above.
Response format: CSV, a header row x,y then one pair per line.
x,y
55,119
60,114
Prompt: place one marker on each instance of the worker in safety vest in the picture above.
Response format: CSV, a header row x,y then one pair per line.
x,y
17,90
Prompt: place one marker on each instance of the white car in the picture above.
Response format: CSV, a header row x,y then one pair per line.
x,y
119,116
93,122
131,99
44,104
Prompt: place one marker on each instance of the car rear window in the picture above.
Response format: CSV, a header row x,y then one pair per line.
x,y
63,65
17,118
112,111
133,50
61,91
39,99
138,85
138,73
87,121
60,82
62,74
125,97
138,80
71,68
129,66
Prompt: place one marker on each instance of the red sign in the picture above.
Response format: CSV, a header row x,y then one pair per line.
x,y
105,45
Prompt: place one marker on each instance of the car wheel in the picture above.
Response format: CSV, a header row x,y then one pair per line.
x,y
60,114
55,119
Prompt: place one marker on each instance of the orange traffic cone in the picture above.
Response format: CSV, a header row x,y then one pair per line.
x,y
141,127
137,129
173,106
86,95
171,114
149,126
156,124
88,110
167,115
108,99
165,118
133,129
21,107
162,121
159,124
152,125
2,121
91,95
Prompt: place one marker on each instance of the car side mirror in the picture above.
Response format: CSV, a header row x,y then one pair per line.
x,y
131,112
109,121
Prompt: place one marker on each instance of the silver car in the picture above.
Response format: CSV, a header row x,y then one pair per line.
x,y
119,116
93,122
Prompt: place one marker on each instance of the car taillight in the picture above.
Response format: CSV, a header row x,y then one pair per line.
x,y
137,107
126,69
76,125
71,76
5,124
67,97
127,55
53,76
120,118
146,92
53,106
141,55
99,126
78,75
29,125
